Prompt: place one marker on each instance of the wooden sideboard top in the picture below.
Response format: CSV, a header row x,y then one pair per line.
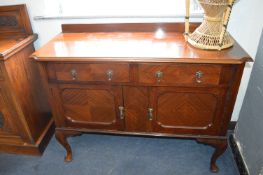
x,y
128,46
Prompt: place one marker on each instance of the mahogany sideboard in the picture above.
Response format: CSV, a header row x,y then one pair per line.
x,y
26,125
140,79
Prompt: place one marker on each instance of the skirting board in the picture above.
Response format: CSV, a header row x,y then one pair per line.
x,y
35,149
237,156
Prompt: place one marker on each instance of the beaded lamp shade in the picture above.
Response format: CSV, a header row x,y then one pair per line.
x,y
211,34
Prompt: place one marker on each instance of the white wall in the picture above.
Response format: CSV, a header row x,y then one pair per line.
x,y
46,29
245,25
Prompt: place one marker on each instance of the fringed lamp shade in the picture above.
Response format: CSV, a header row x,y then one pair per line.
x,y
211,34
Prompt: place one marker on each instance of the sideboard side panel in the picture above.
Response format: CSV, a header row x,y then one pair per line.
x,y
26,83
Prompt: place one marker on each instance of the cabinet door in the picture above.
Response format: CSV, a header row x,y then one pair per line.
x,y
92,106
136,103
5,117
187,110
12,131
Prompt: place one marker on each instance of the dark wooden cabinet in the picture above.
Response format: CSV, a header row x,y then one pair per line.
x,y
26,125
182,91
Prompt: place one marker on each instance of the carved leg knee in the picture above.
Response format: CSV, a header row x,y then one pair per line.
x,y
220,146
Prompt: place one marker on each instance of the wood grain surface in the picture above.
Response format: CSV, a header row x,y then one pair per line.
x,y
142,46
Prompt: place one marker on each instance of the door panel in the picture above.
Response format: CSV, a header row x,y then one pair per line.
x,y
183,111
8,128
94,107
89,106
136,103
5,117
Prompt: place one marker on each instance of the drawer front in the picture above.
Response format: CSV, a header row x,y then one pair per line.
x,y
173,74
92,72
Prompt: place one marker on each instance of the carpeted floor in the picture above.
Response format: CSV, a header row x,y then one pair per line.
x,y
120,155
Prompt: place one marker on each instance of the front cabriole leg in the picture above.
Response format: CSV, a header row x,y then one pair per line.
x,y
220,146
61,137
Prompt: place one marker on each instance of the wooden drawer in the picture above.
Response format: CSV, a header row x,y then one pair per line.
x,y
91,72
170,74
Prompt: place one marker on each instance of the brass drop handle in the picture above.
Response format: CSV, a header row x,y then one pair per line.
x,y
198,76
109,75
159,76
73,73
121,112
150,114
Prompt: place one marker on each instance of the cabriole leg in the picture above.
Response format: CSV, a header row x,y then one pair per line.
x,y
220,146
61,137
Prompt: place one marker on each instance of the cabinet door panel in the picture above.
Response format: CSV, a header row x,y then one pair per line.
x,y
8,124
5,117
183,111
93,107
136,103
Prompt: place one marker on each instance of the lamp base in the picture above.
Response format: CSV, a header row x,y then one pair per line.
x,y
208,34
209,42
